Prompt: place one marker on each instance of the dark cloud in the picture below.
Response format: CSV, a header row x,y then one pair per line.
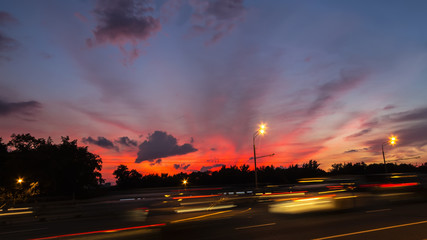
x,y
361,133
213,149
412,115
101,142
181,166
126,141
216,18
331,90
26,108
158,161
207,168
411,135
418,114
161,145
357,150
124,21
409,126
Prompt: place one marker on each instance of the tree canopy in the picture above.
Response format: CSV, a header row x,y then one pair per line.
x,y
226,175
59,169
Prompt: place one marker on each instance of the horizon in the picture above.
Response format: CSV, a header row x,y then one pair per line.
x,y
179,86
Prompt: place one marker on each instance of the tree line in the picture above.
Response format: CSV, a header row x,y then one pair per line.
x,y
126,178
46,168
226,175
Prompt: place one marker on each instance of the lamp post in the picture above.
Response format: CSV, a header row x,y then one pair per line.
x,y
261,131
392,140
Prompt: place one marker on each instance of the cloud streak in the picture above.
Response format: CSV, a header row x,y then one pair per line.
x,y
207,168
357,150
27,108
329,91
359,134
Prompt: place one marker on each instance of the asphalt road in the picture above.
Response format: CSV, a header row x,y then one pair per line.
x,y
393,221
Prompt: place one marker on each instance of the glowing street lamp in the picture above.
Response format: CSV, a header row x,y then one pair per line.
x,y
20,180
261,131
392,141
185,182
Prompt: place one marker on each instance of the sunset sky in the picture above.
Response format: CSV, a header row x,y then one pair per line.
x,y
182,85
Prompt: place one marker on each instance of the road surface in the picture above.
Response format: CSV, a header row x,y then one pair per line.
x,y
253,221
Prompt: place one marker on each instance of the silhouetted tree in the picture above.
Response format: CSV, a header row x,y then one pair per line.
x,y
126,178
59,169
348,168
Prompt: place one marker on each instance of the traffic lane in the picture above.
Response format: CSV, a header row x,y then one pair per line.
x,y
259,224
409,231
320,225
251,223
65,226
40,229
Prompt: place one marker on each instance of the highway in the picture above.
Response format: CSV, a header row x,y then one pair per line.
x,y
400,220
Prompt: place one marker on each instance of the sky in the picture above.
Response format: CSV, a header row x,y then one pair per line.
x,y
173,86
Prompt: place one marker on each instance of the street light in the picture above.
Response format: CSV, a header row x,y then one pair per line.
x,y
20,180
261,131
391,140
184,182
